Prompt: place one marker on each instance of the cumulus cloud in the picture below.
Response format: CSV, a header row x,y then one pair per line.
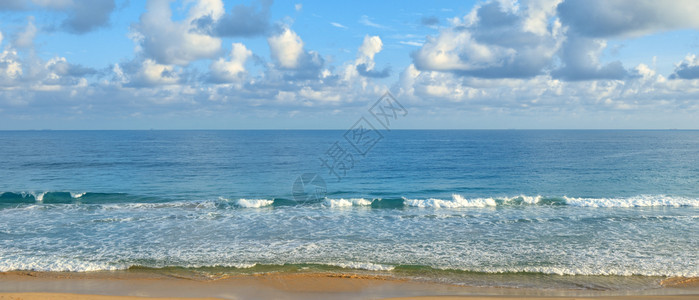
x,y
60,73
147,73
565,39
491,42
29,74
687,69
627,18
365,64
580,57
369,48
287,50
10,67
504,57
589,23
242,21
224,71
643,91
169,42
60,66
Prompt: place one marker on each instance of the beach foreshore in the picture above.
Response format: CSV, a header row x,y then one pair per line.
x,y
135,285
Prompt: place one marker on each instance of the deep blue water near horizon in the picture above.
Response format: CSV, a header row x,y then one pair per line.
x,y
444,202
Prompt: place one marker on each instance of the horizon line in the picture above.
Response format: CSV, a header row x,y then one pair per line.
x,y
337,129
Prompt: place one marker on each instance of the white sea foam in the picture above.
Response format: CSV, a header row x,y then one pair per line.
x,y
347,202
636,201
581,270
159,205
76,195
57,264
113,220
203,265
457,201
38,196
253,203
241,265
362,266
526,199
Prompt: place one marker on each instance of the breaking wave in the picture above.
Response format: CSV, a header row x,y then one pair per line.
x,y
115,200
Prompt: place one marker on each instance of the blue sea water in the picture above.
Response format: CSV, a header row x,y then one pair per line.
x,y
445,202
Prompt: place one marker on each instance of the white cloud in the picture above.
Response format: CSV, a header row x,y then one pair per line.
x,y
510,39
31,86
644,92
298,6
230,70
445,53
580,57
338,25
286,48
292,60
412,43
169,42
321,95
585,40
370,47
10,67
537,15
243,20
495,41
365,64
213,8
687,69
146,73
627,18
157,74
515,58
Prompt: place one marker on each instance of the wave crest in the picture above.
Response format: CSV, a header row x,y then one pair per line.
x,y
635,201
347,202
253,203
457,201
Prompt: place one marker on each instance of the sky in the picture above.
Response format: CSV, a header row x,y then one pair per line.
x,y
262,64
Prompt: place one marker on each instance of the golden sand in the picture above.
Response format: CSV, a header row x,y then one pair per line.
x,y
144,285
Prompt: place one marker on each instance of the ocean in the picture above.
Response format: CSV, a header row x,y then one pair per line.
x,y
580,209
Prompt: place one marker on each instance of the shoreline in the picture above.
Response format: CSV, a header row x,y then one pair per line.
x,y
108,285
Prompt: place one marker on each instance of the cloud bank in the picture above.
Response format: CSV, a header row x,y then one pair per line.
x,y
502,58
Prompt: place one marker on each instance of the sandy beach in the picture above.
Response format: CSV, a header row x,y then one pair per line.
x,y
137,285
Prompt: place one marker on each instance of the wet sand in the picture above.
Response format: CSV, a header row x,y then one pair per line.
x,y
144,285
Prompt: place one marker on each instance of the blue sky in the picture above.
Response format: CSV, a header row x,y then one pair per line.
x,y
198,64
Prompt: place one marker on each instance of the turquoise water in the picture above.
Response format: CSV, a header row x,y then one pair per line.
x,y
447,203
